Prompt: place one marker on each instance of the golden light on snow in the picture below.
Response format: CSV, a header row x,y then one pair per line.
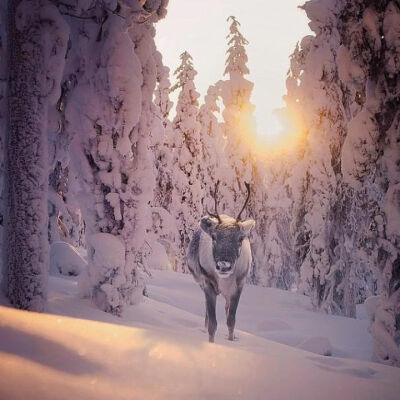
x,y
168,352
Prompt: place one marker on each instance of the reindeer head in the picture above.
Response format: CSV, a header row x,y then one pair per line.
x,y
228,236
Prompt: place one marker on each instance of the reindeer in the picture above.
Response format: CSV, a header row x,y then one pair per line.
x,y
219,258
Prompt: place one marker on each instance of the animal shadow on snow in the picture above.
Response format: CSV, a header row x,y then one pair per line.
x,y
340,367
44,351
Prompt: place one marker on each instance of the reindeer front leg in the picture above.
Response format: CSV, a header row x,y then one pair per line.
x,y
206,318
227,300
211,319
231,315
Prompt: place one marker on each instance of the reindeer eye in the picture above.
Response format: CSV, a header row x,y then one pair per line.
x,y
213,237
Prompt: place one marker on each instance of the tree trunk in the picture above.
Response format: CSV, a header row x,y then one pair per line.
x,y
25,239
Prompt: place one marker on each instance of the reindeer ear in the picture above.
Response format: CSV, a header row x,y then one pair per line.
x,y
247,226
207,224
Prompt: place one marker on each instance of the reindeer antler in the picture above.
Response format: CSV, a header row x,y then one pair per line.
x,y
245,203
216,215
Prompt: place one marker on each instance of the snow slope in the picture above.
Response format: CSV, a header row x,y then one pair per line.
x,y
274,314
158,350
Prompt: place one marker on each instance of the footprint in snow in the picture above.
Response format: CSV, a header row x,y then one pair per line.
x,y
235,338
360,372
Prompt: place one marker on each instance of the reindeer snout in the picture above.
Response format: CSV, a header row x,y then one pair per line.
x,y
224,266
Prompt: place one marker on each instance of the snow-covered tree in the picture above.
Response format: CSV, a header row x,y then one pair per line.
x,y
109,117
186,144
162,136
322,258
271,207
370,156
162,101
385,317
38,38
214,164
345,81
238,125
163,238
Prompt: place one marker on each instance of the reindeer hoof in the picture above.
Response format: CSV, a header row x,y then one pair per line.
x,y
211,339
232,337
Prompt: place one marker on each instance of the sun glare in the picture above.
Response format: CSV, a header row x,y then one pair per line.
x,y
282,132
270,45
269,126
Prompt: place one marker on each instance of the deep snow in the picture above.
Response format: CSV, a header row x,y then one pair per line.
x,y
159,350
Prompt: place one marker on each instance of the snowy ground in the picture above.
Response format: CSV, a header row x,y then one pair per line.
x,y
159,350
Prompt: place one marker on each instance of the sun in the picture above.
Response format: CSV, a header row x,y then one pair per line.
x,y
268,126
279,132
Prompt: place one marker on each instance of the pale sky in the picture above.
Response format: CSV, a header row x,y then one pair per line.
x,y
271,27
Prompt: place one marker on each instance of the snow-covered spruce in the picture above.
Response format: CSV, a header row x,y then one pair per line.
x,y
320,223
163,240
371,156
272,244
187,190
214,164
38,38
162,101
162,138
238,123
347,244
109,116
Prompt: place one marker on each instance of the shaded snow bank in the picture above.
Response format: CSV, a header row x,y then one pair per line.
x,y
65,260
